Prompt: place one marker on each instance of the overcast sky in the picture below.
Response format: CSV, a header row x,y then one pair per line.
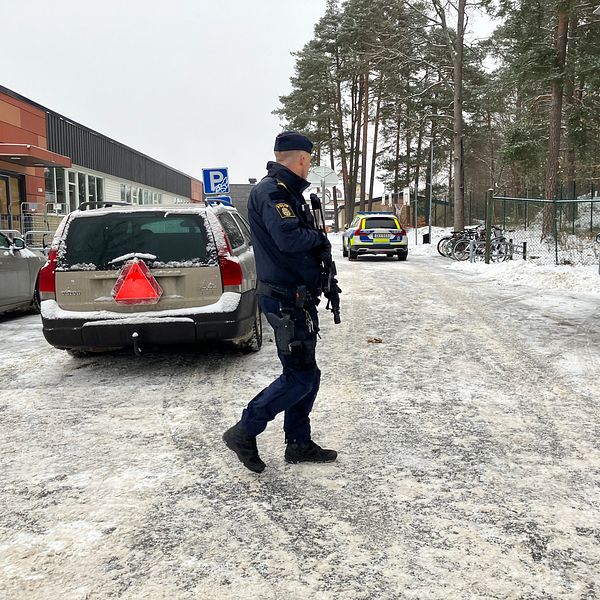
x,y
191,83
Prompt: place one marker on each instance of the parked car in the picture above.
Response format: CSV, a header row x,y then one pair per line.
x,y
19,268
375,233
123,275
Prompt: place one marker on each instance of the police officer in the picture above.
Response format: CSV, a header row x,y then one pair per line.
x,y
288,250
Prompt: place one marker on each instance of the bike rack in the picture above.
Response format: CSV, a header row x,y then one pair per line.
x,y
514,249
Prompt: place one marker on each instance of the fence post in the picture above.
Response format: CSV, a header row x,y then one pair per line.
x,y
470,203
592,208
575,205
524,250
554,204
489,198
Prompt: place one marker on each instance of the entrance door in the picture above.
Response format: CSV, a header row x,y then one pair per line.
x,y
4,203
11,188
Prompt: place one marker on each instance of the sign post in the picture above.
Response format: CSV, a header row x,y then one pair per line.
x,y
323,177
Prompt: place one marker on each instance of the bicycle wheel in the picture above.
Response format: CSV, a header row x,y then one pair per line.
x,y
441,246
479,253
461,250
500,251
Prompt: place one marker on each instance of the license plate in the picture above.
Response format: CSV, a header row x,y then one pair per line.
x,y
382,235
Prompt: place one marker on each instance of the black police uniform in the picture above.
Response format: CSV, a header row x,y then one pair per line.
x,y
286,248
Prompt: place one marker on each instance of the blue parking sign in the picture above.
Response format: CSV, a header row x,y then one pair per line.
x,y
216,181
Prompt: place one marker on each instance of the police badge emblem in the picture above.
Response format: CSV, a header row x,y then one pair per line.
x,y
284,210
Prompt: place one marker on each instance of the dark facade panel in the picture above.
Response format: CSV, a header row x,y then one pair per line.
x,y
89,149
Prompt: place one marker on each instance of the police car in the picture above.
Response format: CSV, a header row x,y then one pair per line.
x,y
375,233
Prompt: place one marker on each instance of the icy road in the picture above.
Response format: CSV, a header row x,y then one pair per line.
x,y
469,466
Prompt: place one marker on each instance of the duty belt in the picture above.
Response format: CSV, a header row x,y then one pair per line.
x,y
295,294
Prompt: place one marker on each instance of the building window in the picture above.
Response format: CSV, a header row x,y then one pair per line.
x,y
50,185
81,180
91,188
72,194
123,192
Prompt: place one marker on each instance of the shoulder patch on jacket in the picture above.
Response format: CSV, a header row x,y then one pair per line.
x,y
285,210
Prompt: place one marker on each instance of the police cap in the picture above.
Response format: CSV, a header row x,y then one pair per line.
x,y
292,140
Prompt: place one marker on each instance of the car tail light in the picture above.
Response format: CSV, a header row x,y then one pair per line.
x,y
46,281
231,272
359,230
136,285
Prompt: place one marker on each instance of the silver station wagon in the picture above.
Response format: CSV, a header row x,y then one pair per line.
x,y
19,268
122,275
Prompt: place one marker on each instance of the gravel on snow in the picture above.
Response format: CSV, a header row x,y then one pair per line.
x,y
468,439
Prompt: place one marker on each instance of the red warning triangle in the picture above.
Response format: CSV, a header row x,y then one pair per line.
x,y
136,285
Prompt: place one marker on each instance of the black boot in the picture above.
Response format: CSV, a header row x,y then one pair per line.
x,y
244,445
308,452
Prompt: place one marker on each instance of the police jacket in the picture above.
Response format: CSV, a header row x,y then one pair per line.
x,y
283,230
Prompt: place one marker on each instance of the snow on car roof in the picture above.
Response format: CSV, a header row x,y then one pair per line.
x,y
180,209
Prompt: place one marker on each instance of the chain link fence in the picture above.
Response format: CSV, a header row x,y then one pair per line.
x,y
560,232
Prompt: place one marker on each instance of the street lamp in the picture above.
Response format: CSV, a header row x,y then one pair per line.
x,y
430,183
430,140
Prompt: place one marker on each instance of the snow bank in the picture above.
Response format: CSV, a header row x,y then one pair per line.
x,y
567,278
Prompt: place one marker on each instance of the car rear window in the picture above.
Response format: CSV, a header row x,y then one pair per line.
x,y
380,223
162,240
236,239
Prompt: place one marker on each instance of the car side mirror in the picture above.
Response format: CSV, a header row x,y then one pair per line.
x,y
18,244
345,225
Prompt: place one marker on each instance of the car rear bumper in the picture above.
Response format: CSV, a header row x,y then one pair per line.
x,y
176,328
379,248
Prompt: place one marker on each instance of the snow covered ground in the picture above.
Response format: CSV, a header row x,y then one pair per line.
x,y
469,444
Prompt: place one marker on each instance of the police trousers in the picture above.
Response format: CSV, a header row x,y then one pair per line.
x,y
295,390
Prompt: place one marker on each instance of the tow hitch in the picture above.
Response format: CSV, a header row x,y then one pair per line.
x,y
137,349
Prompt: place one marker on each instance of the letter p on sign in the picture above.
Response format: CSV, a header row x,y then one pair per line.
x,y
216,181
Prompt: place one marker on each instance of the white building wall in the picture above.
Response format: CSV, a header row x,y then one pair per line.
x,y
112,187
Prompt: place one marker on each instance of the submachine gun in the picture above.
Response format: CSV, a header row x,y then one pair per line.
x,y
329,283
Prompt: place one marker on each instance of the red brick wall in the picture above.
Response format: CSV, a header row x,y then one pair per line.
x,y
22,123
197,191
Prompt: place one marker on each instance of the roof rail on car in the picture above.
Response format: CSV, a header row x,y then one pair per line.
x,y
102,204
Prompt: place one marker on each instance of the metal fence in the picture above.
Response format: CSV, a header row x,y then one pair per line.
x,y
36,223
560,232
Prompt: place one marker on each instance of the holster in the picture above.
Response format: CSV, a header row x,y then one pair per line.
x,y
284,331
